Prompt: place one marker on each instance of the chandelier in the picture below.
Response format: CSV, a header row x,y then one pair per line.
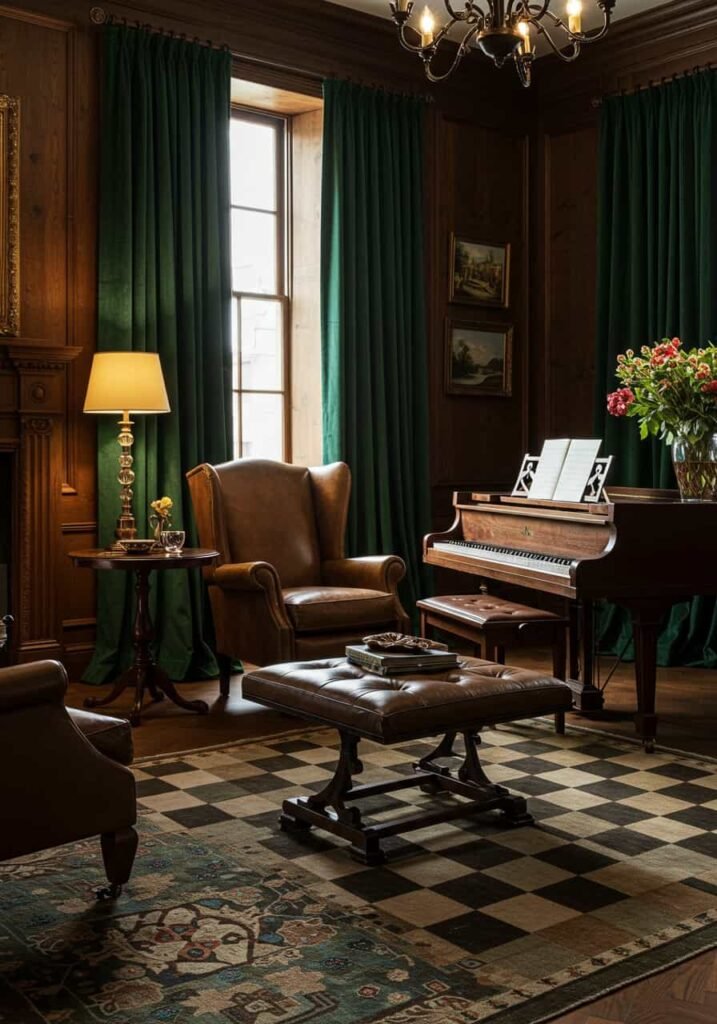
x,y
501,29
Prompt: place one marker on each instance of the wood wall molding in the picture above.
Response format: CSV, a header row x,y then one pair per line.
x,y
38,408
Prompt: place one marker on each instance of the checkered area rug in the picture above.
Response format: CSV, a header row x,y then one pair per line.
x,y
622,860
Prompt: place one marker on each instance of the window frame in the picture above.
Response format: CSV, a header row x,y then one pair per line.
x,y
282,126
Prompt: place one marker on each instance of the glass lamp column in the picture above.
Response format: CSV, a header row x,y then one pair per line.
x,y
126,525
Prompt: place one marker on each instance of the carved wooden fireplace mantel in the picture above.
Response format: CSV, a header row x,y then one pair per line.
x,y
33,400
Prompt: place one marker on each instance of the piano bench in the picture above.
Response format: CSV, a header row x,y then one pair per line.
x,y
491,625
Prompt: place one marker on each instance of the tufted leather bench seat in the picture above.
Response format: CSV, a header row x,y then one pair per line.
x,y
397,708
361,704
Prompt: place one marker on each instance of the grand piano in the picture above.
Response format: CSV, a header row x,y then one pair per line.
x,y
642,549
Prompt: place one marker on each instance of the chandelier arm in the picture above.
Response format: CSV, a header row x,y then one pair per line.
x,y
461,15
566,57
460,54
405,43
417,47
581,37
534,12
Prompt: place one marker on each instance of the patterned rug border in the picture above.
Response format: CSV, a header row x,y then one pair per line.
x,y
524,1014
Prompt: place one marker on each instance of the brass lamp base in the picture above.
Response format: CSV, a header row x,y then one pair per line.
x,y
126,528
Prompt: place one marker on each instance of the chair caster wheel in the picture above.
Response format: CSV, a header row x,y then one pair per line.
x,y
108,892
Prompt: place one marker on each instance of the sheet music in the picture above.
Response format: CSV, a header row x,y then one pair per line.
x,y
577,469
552,459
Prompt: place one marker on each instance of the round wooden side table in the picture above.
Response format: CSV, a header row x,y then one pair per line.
x,y
145,673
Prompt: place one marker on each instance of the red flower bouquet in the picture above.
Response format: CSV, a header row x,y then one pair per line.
x,y
673,394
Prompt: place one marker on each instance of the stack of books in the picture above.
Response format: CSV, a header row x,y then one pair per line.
x,y
397,664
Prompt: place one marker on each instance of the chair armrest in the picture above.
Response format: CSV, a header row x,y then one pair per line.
x,y
375,572
246,576
24,686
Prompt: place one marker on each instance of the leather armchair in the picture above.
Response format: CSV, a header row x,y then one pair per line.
x,y
282,589
63,771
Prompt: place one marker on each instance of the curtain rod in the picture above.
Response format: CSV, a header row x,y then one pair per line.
x,y
597,101
99,16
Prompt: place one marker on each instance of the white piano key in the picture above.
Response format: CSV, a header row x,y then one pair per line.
x,y
553,565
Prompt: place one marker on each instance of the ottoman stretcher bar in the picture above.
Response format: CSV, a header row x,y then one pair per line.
x,y
398,709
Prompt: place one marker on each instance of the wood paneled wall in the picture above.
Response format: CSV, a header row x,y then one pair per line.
x,y
481,192
503,164
477,182
43,62
670,39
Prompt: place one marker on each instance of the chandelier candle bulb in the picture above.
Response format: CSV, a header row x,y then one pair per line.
x,y
427,25
575,21
524,29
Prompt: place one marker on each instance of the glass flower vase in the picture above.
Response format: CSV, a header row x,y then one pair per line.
x,y
695,465
158,524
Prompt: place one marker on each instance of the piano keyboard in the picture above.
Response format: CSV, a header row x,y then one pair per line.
x,y
552,564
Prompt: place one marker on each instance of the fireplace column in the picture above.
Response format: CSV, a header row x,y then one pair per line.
x,y
41,419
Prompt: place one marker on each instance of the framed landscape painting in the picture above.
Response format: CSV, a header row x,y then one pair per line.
x,y
479,359
480,272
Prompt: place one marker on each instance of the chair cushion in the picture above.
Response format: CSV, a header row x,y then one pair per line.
x,y
395,708
482,609
111,736
313,609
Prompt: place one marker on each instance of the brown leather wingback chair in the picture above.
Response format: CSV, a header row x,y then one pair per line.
x,y
62,772
281,589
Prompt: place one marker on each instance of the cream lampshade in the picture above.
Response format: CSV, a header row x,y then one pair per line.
x,y
122,383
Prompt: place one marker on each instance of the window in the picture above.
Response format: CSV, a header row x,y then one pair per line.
x,y
259,285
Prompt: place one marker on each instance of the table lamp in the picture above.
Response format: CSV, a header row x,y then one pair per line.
x,y
123,383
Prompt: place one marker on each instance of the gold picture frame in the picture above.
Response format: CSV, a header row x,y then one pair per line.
x,y
9,215
479,272
479,359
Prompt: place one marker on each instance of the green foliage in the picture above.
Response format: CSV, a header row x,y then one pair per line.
x,y
670,391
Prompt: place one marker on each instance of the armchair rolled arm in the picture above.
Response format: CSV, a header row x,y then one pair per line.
x,y
374,572
246,576
24,686
258,578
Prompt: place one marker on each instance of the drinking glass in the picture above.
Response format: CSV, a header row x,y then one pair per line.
x,y
173,541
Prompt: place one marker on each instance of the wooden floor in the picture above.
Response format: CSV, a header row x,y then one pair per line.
x,y
687,706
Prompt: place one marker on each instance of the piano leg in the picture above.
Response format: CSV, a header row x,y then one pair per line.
x,y
646,622
586,696
574,668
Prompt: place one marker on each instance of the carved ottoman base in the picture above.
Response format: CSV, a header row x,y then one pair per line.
x,y
330,810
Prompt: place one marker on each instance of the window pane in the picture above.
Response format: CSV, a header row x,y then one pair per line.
x,y
235,343
262,354
262,426
253,163
254,247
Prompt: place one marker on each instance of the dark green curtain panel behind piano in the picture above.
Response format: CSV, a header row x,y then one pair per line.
x,y
165,286
657,278
375,392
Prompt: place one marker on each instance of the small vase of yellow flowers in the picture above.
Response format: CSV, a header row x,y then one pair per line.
x,y
161,517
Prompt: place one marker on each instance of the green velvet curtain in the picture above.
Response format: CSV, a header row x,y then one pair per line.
x,y
165,286
657,252
375,393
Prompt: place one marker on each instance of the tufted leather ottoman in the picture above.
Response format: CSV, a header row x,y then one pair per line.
x,y
492,624
396,709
